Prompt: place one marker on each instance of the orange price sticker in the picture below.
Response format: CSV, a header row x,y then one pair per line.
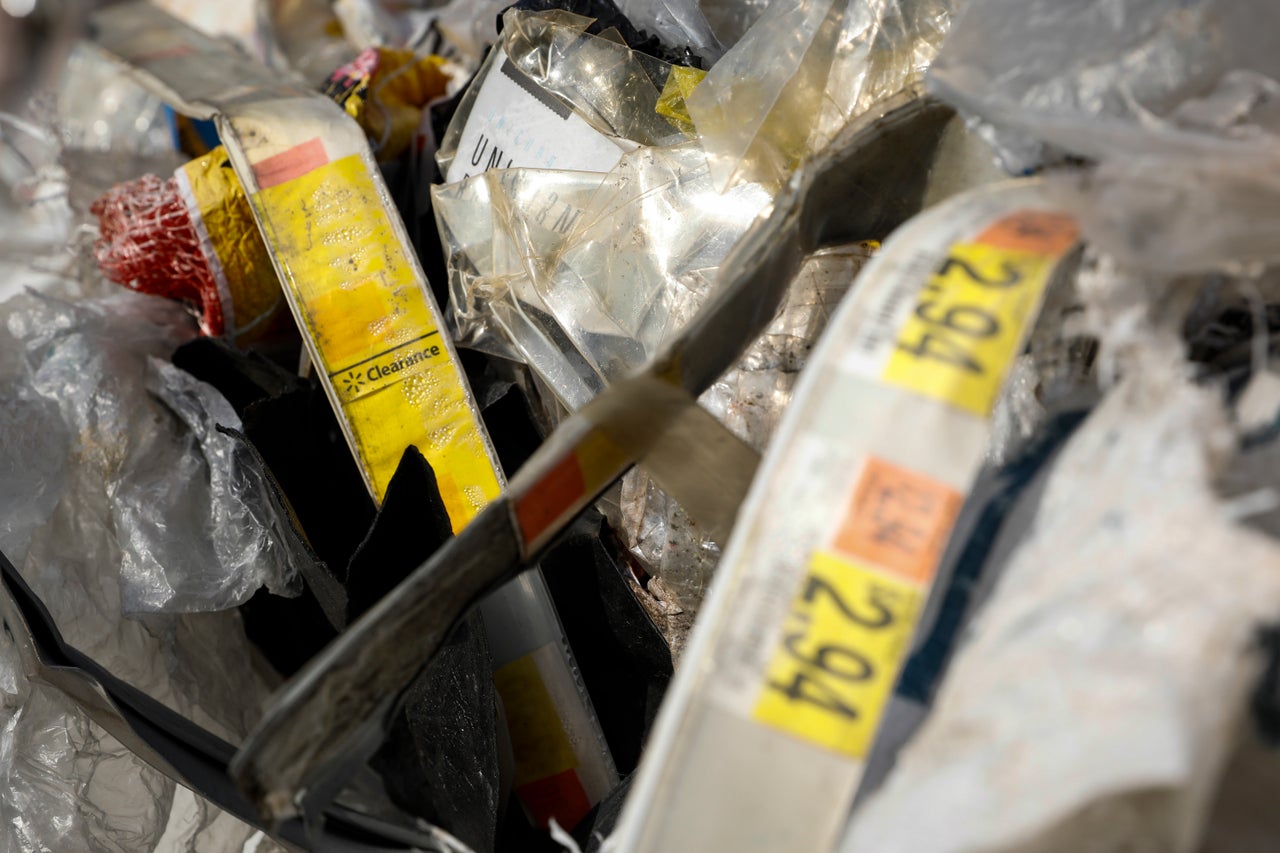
x,y
898,519
1039,231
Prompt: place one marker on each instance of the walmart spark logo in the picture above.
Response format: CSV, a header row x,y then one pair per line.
x,y
352,382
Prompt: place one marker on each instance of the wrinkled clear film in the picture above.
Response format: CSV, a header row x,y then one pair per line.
x,y
1177,100
1115,76
802,72
613,88
586,274
749,400
189,503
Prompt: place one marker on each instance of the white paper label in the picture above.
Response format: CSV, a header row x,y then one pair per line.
x,y
514,122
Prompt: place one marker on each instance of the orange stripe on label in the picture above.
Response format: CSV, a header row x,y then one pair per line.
x,y
287,165
550,498
898,520
561,796
1038,231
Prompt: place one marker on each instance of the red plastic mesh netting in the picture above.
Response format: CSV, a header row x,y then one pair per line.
x,y
148,243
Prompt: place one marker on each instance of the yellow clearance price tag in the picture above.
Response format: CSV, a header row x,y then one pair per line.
x,y
368,318
971,317
851,621
831,676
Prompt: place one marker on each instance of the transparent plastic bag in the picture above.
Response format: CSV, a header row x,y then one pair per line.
x,y
801,72
1176,100
730,19
586,274
613,89
64,783
679,23
100,107
189,502
1112,77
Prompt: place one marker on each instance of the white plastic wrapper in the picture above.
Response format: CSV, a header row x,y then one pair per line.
x,y
1110,669
801,72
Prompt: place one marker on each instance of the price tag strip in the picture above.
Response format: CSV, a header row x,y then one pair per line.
x,y
360,298
764,736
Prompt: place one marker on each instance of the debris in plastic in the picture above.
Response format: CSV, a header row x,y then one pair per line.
x,y
1116,640
1004,563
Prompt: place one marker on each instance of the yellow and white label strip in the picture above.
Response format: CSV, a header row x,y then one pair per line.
x,y
764,736
360,298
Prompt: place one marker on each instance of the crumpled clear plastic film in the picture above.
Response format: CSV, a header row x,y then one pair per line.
x,y
801,72
730,19
100,107
679,23
1116,76
749,399
188,502
67,785
584,275
64,783
1177,100
613,88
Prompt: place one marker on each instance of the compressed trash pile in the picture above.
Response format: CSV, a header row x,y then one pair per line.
x,y
639,425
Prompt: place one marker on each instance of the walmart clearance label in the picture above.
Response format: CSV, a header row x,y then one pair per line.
x,y
367,315
515,123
